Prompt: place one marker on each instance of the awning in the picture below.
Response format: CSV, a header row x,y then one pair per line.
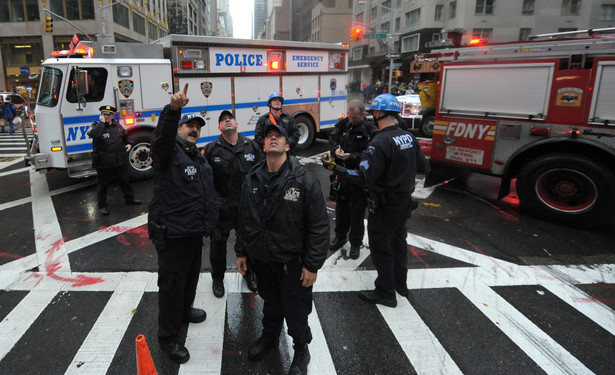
x,y
359,67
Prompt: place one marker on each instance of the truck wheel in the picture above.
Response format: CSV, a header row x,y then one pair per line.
x,y
306,132
140,158
426,127
567,189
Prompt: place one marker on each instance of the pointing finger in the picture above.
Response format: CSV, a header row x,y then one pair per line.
x,y
186,89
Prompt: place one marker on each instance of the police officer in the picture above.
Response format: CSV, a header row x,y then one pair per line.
x,y
110,144
276,117
231,156
284,231
184,208
388,169
347,140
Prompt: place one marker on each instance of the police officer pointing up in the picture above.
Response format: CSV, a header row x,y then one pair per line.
x,y
388,169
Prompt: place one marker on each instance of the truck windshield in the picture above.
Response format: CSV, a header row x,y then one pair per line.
x,y
49,87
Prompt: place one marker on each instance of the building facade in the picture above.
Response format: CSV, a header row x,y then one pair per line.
x,y
414,27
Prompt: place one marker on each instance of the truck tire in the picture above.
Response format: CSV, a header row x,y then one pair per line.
x,y
567,189
307,132
426,127
139,158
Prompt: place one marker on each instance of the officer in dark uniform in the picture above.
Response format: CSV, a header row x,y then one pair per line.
x,y
276,117
184,208
284,231
347,140
231,156
388,169
110,144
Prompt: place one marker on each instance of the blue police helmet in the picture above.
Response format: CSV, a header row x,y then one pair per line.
x,y
273,96
385,103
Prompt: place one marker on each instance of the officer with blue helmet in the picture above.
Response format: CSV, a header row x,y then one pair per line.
x,y
276,117
388,169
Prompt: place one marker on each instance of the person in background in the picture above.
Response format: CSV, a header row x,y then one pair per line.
x,y
276,117
231,156
110,143
347,141
8,114
283,231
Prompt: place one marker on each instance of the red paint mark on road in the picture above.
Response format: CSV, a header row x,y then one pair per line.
x,y
584,299
121,239
9,255
37,276
606,301
52,267
490,258
28,184
344,278
418,254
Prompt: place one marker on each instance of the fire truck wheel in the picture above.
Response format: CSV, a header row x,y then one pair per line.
x,y
306,132
139,157
426,128
567,189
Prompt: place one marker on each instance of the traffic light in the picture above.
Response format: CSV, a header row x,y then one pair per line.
x,y
356,34
48,24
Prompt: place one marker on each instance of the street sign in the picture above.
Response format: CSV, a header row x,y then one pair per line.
x,y
397,66
376,36
393,55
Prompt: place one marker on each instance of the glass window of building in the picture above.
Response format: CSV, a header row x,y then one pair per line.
x,y
607,12
484,6
386,27
152,31
528,7
57,6
32,10
386,7
72,9
452,11
357,54
397,24
358,18
410,43
138,24
87,10
413,17
570,7
374,13
438,14
5,15
120,15
17,11
524,33
482,33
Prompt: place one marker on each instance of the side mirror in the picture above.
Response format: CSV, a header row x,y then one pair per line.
x,y
83,87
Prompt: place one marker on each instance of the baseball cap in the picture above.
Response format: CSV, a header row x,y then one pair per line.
x,y
278,128
225,113
197,118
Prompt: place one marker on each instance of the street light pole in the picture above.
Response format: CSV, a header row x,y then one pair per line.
x,y
102,18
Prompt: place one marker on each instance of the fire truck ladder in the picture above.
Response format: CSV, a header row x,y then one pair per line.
x,y
576,49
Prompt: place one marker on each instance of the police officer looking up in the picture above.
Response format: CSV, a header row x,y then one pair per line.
x,y
110,143
347,140
231,156
184,208
284,231
388,169
276,117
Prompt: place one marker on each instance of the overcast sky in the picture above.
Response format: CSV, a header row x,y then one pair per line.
x,y
241,11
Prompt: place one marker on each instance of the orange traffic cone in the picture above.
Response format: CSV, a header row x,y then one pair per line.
x,y
145,364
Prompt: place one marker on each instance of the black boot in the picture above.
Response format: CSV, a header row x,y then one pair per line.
x,y
250,279
355,250
218,287
337,243
301,359
260,347
174,350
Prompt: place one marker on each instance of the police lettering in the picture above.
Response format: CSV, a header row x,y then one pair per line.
x,y
404,141
236,59
460,129
74,131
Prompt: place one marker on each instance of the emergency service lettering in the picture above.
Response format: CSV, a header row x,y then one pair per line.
x,y
74,131
467,130
403,141
305,61
237,59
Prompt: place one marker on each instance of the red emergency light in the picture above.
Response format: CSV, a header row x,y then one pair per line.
x,y
187,64
129,120
275,65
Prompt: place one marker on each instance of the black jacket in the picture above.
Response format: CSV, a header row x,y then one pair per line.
x,y
285,120
231,164
352,139
184,196
284,217
389,163
109,142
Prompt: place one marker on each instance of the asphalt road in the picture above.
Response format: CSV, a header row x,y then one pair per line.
x,y
491,291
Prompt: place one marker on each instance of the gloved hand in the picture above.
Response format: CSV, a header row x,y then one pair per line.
x,y
327,161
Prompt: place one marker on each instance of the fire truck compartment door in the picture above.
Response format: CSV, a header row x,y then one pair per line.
x,y
156,81
500,90
602,108
332,99
251,94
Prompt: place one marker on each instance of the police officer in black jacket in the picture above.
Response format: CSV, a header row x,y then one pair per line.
x,y
388,169
110,143
276,117
184,208
347,140
231,156
284,231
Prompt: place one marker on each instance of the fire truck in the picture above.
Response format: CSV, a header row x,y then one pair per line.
x,y
138,79
541,112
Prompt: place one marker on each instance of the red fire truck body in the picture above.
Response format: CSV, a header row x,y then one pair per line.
x,y
540,112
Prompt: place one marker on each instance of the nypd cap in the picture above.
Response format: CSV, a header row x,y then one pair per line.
x,y
278,128
225,113
192,117
107,109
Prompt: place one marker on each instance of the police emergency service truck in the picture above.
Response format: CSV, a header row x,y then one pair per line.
x,y
138,79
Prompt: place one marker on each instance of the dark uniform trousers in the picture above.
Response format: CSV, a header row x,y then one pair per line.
x,y
217,248
350,206
105,176
387,242
178,274
279,285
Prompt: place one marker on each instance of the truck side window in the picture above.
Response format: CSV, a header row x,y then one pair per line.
x,y
97,84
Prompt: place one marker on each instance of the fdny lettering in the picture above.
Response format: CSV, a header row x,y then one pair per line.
x,y
190,170
75,131
404,141
474,131
237,59
292,194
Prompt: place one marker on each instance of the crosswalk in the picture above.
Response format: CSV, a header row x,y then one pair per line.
x,y
468,317
14,145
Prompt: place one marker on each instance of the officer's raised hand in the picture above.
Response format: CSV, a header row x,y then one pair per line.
x,y
179,99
